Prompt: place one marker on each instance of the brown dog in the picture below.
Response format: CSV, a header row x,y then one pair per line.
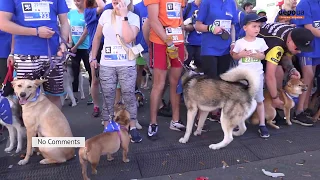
x,y
314,105
293,88
107,143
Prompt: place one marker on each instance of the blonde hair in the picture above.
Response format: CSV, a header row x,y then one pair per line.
x,y
113,14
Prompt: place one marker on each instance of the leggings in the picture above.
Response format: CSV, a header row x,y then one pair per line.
x,y
84,55
214,66
126,76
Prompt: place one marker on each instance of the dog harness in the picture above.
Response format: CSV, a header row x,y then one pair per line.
x,y
295,99
5,110
114,127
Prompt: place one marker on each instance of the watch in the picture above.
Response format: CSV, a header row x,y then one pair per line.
x,y
125,19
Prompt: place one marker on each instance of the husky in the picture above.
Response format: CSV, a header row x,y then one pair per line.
x,y
16,129
67,84
228,93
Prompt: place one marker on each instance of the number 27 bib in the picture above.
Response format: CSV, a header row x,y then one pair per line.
x,y
36,11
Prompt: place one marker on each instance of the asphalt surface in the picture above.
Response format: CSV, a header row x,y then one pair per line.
x,y
166,158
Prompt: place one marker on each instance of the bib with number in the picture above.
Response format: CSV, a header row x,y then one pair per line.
x,y
173,10
175,33
316,24
249,60
36,11
226,24
76,30
115,52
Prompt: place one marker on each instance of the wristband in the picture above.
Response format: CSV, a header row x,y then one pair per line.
x,y
170,46
92,60
10,55
211,28
37,32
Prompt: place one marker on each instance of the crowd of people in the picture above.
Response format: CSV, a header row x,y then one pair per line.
x,y
221,35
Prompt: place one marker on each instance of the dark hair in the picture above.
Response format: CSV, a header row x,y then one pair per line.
x,y
246,5
89,3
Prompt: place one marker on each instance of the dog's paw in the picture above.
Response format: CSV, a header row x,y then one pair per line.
x,y
38,153
73,105
126,160
183,140
94,171
236,133
82,97
8,149
289,123
44,161
215,146
22,162
197,133
18,150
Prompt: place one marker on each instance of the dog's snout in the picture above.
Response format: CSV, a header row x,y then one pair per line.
x,y
23,94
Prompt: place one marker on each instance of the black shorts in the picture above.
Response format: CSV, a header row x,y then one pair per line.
x,y
213,66
33,67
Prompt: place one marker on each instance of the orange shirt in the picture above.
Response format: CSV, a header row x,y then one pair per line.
x,y
170,17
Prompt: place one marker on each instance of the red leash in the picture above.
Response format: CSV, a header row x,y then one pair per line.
x,y
9,76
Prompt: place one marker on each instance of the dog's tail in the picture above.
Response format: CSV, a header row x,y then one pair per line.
x,y
241,73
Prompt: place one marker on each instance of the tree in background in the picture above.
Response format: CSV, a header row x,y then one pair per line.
x,y
241,2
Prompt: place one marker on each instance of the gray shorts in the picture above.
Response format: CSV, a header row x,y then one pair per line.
x,y
34,67
259,97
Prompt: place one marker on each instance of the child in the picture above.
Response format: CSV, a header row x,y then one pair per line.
x,y
249,50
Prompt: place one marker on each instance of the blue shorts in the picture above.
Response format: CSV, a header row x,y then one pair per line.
x,y
308,61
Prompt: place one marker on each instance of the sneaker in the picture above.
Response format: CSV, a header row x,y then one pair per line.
x,y
153,131
138,126
214,117
96,112
309,112
302,119
177,126
135,136
90,101
205,127
77,101
263,131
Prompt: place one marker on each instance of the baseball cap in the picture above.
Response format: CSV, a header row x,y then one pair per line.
x,y
280,3
253,17
302,38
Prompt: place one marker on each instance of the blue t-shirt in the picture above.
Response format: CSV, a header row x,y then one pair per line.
x,y
5,45
141,10
32,14
311,16
92,19
194,38
218,12
77,24
239,25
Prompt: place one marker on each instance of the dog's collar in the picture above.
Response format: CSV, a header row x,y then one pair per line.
x,y
293,98
38,91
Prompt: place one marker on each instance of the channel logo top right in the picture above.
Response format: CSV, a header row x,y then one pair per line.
x,y
291,14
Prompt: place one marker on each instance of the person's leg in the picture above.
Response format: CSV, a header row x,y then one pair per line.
x,y
108,86
300,116
224,63
118,93
263,130
3,73
76,70
140,65
159,64
191,54
279,76
95,87
85,59
127,79
197,57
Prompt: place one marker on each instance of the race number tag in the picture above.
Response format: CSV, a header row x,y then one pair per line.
x,y
76,30
173,10
115,52
36,11
226,24
316,24
249,60
175,33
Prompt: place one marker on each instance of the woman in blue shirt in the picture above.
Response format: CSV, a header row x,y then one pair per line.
x,y
216,21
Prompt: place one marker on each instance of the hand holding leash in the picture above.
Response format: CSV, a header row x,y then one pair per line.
x,y
172,52
45,32
62,49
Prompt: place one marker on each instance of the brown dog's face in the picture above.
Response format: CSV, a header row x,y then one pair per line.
x,y
26,89
121,115
296,87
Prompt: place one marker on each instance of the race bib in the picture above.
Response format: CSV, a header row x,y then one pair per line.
x,y
175,33
76,30
226,24
316,24
249,60
173,10
115,52
36,11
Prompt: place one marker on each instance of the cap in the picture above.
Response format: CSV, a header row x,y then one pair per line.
x,y
280,3
302,38
253,17
261,11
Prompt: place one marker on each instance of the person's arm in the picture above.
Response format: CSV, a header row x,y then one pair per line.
x,y
202,15
8,26
82,38
307,21
64,26
233,34
189,27
146,31
12,45
153,13
101,6
130,28
96,42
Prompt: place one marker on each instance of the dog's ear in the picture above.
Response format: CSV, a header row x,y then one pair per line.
x,y
38,82
289,83
14,82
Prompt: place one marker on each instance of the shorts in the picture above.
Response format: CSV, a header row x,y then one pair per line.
x,y
308,61
158,56
214,66
33,67
259,97
141,61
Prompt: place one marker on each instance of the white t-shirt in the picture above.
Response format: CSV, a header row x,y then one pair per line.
x,y
113,54
258,45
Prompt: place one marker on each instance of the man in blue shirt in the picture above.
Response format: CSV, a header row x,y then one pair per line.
x,y
35,32
194,37
308,61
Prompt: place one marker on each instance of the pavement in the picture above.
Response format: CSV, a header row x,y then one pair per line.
x,y
291,150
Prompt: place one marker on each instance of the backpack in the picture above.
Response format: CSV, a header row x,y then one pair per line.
x,y
188,9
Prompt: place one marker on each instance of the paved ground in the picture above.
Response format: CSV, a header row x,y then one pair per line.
x,y
168,159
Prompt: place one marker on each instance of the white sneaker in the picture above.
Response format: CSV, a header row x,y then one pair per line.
x,y
177,126
138,126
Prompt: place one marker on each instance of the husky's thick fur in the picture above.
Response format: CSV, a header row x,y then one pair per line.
x,y
17,131
235,99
